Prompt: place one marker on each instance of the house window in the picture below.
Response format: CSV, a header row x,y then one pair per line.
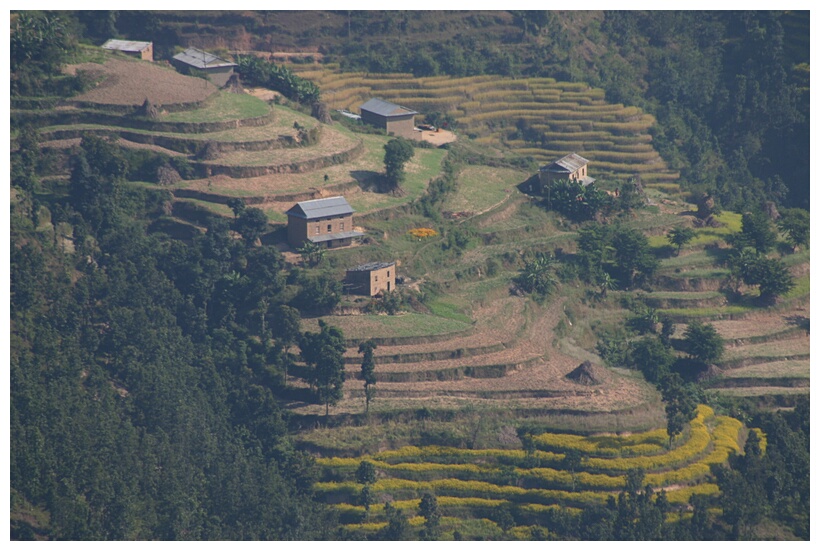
x,y
342,226
317,229
377,278
388,273
329,227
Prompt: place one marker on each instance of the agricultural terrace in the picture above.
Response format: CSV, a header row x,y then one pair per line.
x,y
472,484
566,117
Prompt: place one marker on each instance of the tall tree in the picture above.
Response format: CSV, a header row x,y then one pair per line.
x,y
795,223
368,371
428,508
396,154
703,343
323,352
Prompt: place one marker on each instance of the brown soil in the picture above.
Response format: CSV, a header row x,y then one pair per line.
x,y
128,82
438,138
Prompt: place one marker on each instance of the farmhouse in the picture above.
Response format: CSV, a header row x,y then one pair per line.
x,y
217,69
372,278
327,222
133,48
573,167
397,120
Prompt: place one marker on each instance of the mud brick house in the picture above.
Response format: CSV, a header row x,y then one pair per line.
x,y
397,120
372,278
218,70
133,48
327,222
573,167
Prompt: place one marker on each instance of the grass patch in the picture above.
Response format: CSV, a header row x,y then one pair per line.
x,y
222,107
482,187
801,287
445,308
707,312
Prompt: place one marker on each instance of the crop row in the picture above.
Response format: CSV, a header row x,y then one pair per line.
x,y
608,446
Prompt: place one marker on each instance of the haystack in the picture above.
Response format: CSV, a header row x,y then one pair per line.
x,y
586,374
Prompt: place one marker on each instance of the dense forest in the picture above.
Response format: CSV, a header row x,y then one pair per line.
x,y
147,373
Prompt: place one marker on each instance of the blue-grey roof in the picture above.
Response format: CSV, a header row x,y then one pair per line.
x,y
125,45
371,266
202,60
321,208
385,108
568,164
338,235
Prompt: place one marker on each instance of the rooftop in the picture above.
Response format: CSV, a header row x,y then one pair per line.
x,y
202,60
385,108
570,163
126,45
321,208
371,266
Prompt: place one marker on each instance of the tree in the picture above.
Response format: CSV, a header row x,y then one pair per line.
x,y
237,205
366,473
312,253
428,508
368,371
679,237
650,356
757,232
323,352
770,274
396,154
703,343
538,276
251,224
681,403
796,225
398,528
633,257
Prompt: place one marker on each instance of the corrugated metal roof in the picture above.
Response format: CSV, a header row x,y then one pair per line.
x,y
321,208
385,108
568,164
126,45
202,60
371,266
339,235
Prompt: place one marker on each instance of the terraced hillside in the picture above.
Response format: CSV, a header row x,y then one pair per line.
x,y
234,144
563,117
473,485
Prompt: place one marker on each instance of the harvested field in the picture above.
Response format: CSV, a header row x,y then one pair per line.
x,y
124,83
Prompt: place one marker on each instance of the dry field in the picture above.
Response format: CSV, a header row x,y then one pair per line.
x,y
124,83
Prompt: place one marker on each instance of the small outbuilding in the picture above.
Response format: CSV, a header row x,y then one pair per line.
x,y
218,70
133,48
572,167
372,278
327,222
395,119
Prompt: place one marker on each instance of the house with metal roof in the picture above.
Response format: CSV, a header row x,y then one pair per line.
x,y
218,70
133,48
572,167
327,222
395,119
371,279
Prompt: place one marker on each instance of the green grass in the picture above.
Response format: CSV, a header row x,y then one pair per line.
x,y
482,187
222,107
801,287
707,312
444,307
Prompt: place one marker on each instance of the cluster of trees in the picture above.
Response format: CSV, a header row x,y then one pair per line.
x,y
146,371
609,252
259,72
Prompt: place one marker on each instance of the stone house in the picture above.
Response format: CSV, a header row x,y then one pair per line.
x,y
372,278
133,48
572,167
395,119
218,70
327,222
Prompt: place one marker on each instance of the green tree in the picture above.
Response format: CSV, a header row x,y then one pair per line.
x,y
428,508
237,205
703,343
633,257
757,232
538,276
323,352
680,401
796,225
366,473
251,224
651,357
368,371
398,528
312,253
770,275
680,236
396,154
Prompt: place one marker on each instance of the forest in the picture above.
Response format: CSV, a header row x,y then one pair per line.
x,y
148,373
